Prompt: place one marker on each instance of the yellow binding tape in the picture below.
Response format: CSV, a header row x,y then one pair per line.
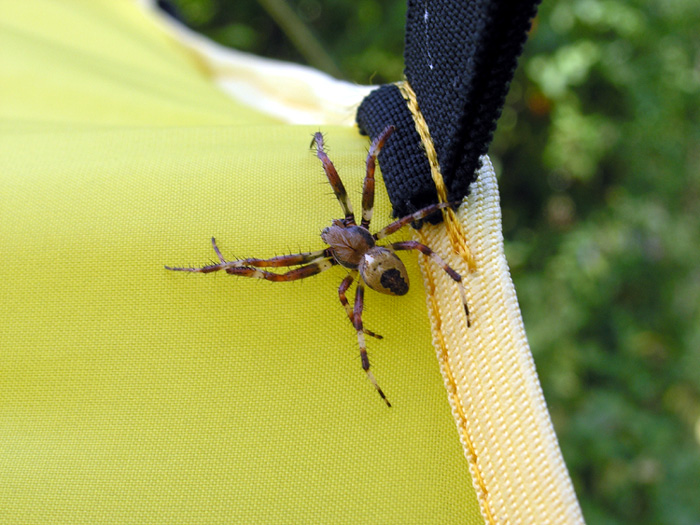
x,y
515,462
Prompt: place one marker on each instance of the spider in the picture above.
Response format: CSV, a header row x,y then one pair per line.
x,y
352,246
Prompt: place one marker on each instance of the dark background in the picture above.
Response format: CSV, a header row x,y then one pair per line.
x,y
598,154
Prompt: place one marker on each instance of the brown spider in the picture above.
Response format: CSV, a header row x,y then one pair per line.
x,y
350,246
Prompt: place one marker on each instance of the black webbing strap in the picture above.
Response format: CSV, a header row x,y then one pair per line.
x,y
460,58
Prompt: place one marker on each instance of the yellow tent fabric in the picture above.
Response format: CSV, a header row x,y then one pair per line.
x,y
129,394
497,404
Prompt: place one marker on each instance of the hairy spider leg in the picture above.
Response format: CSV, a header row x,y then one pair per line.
x,y
357,321
344,285
310,263
368,186
317,266
334,179
216,249
425,250
403,221
294,259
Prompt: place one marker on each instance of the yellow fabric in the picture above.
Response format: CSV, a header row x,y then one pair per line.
x,y
289,92
130,394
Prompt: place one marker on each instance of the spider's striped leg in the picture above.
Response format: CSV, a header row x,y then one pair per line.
x,y
344,301
368,187
334,179
357,321
425,250
282,260
403,221
293,259
315,267
310,263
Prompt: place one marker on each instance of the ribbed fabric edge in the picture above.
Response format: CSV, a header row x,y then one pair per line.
x,y
497,402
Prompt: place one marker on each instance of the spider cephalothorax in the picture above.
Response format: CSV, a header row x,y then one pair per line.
x,y
353,247
349,245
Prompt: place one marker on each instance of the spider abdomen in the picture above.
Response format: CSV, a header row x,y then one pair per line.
x,y
383,271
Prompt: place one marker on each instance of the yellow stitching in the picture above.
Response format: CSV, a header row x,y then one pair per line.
x,y
455,231
452,392
457,238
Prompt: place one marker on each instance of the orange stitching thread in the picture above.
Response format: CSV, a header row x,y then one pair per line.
x,y
457,238
443,357
455,231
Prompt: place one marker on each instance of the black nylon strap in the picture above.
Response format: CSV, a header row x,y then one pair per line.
x,y
460,58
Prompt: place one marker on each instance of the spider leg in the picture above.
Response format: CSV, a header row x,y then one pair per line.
x,y
282,260
312,263
368,187
425,250
216,249
403,221
357,322
334,179
313,268
344,301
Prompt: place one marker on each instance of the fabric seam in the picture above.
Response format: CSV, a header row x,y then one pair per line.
x,y
457,237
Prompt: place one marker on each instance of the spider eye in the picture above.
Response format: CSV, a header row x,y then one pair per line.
x,y
384,272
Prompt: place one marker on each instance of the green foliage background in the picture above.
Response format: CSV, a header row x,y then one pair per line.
x,y
598,151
